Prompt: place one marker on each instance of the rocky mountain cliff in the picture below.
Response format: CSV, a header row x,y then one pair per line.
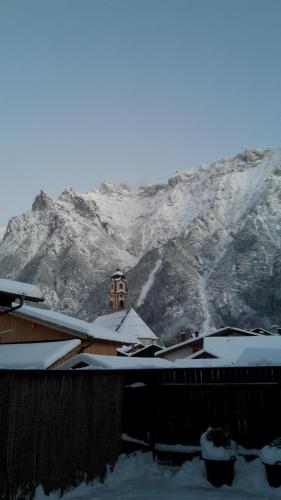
x,y
201,251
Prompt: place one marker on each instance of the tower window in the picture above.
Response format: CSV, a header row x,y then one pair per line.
x,y
121,304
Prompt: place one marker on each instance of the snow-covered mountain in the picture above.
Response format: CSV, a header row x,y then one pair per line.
x,y
201,251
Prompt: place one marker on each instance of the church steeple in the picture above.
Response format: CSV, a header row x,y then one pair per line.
x,y
117,291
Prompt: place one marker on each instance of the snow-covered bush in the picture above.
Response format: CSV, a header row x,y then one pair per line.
x,y
271,454
217,445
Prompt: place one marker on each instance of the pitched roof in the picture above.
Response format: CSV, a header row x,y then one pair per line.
x,y
143,349
37,355
100,361
260,357
134,324
234,347
73,325
198,354
262,331
111,320
126,322
215,333
18,289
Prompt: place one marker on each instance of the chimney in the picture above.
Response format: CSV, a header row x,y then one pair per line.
x,y
184,334
182,337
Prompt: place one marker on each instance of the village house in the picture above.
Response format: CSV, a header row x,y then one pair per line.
x,y
195,345
26,325
139,350
239,349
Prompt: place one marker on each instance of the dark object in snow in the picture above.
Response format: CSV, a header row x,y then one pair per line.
x,y
218,451
220,472
273,474
271,458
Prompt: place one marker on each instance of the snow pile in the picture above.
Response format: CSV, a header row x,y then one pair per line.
x,y
211,452
271,454
138,477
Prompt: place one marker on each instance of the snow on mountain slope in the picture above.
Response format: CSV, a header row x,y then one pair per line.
x,y
2,231
215,230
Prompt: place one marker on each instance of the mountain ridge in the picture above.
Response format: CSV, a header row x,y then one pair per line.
x,y
191,247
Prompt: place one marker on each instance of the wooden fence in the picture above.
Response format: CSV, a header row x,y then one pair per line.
x,y
176,406
56,428
59,427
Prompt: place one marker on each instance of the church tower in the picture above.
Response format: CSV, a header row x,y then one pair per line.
x,y
117,291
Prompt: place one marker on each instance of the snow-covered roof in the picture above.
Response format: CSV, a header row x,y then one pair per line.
x,y
202,351
111,320
74,325
260,356
134,352
213,333
202,363
234,347
101,333
262,331
126,322
19,289
114,362
37,355
118,274
53,317
133,324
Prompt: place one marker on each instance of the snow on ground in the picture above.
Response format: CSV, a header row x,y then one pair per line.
x,y
138,477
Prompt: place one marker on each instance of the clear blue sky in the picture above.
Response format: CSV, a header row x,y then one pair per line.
x,y
131,90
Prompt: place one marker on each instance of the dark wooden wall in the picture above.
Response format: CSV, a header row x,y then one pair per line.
x,y
56,428
18,329
15,328
176,406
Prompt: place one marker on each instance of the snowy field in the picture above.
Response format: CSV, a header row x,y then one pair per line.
x,y
138,477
